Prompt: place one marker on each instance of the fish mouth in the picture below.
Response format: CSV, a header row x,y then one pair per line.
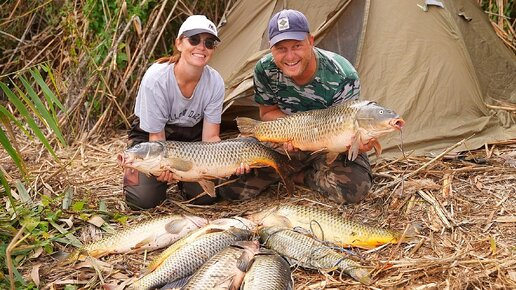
x,y
123,160
397,123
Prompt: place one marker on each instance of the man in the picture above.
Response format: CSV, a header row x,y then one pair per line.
x,y
295,77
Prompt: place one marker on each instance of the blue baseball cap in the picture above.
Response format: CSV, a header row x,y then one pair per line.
x,y
287,24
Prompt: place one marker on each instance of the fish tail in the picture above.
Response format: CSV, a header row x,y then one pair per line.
x,y
247,126
356,271
286,172
73,257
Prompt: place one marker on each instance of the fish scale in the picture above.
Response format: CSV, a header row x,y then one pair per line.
x,y
185,260
222,270
310,253
268,272
304,129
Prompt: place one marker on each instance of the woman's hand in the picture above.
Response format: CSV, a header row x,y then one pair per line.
x,y
243,169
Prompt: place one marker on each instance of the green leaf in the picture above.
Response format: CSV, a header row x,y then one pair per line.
x,y
70,238
5,116
49,95
78,206
25,113
30,223
5,184
22,191
11,151
41,110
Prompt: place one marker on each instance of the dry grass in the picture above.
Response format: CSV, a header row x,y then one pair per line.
x,y
464,211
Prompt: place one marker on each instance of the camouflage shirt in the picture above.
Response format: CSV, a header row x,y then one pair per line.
x,y
336,80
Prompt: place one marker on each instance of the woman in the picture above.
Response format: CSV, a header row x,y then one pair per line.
x,y
180,98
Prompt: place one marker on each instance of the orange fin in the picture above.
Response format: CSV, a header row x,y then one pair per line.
x,y
331,156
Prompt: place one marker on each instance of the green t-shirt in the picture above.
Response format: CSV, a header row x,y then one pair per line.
x,y
336,80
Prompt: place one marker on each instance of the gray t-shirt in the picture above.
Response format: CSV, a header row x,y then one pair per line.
x,y
160,101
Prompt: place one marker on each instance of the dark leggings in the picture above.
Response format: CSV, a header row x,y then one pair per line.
x,y
144,192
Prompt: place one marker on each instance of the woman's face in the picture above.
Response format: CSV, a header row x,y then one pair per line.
x,y
197,49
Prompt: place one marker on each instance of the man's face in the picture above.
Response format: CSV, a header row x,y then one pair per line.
x,y
293,57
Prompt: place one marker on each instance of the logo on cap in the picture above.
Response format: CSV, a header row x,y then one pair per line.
x,y
283,24
211,27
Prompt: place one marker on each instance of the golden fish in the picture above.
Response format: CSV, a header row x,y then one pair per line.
x,y
326,226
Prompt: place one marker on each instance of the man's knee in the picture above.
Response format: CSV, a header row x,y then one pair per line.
x,y
142,192
249,185
355,189
344,181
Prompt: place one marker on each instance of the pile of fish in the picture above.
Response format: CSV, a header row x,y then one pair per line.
x,y
257,251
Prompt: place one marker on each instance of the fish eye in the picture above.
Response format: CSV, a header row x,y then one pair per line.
x,y
380,112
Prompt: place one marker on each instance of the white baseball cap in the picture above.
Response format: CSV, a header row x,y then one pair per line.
x,y
196,24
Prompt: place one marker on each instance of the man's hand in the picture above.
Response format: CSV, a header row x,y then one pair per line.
x,y
368,146
166,176
243,169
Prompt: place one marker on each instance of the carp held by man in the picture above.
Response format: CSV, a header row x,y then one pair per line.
x,y
347,126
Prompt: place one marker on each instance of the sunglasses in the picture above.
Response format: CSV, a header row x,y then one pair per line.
x,y
209,43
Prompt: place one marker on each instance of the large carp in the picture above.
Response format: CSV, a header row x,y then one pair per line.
x,y
326,226
150,234
343,127
202,161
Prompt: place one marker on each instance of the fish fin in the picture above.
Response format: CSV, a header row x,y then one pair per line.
x,y
180,164
146,241
155,263
246,126
76,255
353,150
208,186
331,156
377,147
176,226
276,220
285,170
319,151
359,273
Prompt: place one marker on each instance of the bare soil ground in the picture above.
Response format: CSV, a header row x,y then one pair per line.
x,y
464,208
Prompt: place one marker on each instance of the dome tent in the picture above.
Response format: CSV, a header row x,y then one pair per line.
x,y
441,67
